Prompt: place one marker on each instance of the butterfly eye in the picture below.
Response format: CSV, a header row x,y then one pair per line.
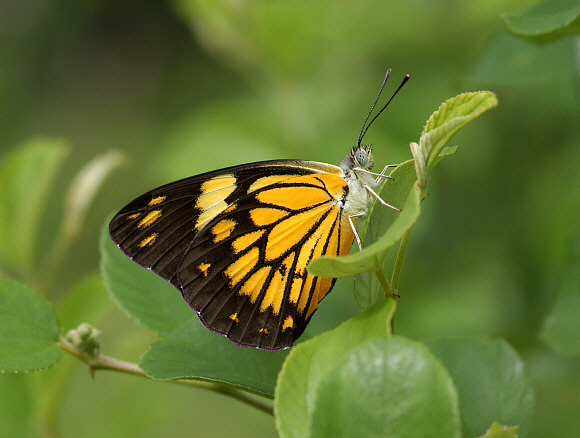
x,y
363,158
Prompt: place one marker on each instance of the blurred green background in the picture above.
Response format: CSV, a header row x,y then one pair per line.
x,y
188,86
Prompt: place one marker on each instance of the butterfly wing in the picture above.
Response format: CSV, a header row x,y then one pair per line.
x,y
236,243
157,228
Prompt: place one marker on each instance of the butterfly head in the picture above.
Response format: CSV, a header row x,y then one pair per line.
x,y
361,157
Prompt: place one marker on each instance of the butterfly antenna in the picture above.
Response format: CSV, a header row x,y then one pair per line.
x,y
364,130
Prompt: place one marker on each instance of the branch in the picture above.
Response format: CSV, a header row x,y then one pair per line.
x,y
102,362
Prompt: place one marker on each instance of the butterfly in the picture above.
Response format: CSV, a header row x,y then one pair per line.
x,y
236,241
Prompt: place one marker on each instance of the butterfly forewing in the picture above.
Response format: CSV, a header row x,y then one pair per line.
x,y
236,243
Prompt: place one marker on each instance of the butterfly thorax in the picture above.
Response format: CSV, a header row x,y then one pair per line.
x,y
356,167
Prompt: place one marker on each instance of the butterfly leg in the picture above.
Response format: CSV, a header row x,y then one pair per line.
x,y
382,174
354,228
378,175
380,199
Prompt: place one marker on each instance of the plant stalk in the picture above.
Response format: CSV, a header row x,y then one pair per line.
x,y
103,362
387,287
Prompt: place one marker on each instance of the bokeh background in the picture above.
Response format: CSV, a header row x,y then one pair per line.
x,y
188,86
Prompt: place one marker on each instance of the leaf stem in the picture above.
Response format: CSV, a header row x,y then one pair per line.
x,y
103,362
387,288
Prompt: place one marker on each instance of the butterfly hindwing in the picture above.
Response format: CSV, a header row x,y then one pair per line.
x,y
236,242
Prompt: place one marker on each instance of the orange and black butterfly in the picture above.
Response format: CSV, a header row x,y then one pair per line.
x,y
236,241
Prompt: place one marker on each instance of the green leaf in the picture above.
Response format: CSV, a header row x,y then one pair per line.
x,y
499,431
29,330
26,175
367,289
451,116
387,387
309,362
370,258
394,191
545,21
561,329
146,297
514,63
195,352
16,406
491,381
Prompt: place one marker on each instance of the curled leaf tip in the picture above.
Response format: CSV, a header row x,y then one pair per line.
x,y
420,160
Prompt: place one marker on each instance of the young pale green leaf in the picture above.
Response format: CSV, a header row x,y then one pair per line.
x,y
370,258
194,352
491,381
545,21
29,330
451,116
387,387
309,362
499,431
420,159
145,296
26,175
561,330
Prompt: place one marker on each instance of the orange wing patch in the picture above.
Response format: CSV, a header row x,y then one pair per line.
x,y
223,229
244,264
151,217
266,181
291,231
288,323
148,241
253,285
204,268
275,292
211,201
246,240
156,200
266,216
292,197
